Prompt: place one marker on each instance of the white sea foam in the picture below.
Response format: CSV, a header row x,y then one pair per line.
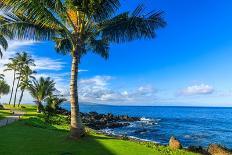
x,y
149,121
145,119
146,140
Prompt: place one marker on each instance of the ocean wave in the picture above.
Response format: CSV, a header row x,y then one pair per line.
x,y
149,121
145,119
111,132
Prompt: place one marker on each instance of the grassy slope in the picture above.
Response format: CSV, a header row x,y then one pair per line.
x,y
32,136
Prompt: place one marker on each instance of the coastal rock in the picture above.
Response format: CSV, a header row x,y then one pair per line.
x,y
174,143
198,149
98,121
215,149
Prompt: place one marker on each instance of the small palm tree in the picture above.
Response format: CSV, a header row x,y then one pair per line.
x,y
78,27
27,75
12,66
52,105
40,90
4,88
23,61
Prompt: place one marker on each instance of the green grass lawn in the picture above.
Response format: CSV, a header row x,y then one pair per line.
x,y
31,136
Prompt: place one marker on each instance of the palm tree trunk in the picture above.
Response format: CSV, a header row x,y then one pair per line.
x,y
16,91
12,89
21,97
39,106
77,129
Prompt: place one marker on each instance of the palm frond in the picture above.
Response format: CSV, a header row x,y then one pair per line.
x,y
26,29
98,9
2,76
62,45
100,47
128,27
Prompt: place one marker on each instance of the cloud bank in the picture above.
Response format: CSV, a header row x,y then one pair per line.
x,y
201,89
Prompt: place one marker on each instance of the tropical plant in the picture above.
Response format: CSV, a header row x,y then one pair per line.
x,y
12,66
52,105
77,27
23,61
4,35
4,88
27,75
40,90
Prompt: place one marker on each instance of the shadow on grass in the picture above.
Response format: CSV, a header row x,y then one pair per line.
x,y
33,136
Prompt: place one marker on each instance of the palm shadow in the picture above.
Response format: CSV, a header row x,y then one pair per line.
x,y
31,131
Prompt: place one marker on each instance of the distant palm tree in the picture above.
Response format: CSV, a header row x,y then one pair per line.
x,y
4,88
12,66
77,27
23,61
27,75
40,90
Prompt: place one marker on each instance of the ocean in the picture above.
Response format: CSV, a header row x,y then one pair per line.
x,y
198,126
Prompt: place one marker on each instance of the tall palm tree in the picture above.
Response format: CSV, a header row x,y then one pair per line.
x,y
27,75
4,88
40,90
77,27
12,66
23,61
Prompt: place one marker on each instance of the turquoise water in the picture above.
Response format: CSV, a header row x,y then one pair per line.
x,y
191,125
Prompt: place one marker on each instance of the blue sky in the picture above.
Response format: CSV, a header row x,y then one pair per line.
x,y
189,62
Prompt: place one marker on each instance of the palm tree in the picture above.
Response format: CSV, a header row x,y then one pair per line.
x,y
53,103
77,27
12,66
4,88
25,81
23,61
40,90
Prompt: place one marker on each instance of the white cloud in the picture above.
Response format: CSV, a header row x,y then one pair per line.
x,y
45,63
201,89
98,90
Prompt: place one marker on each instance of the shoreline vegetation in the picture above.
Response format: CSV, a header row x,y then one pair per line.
x,y
32,133
60,124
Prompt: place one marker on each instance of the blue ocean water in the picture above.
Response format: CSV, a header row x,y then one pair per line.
x,y
191,125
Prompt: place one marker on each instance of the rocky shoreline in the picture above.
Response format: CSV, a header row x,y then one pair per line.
x,y
96,121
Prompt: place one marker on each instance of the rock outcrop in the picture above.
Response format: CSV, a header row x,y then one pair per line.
x,y
198,149
174,143
98,121
215,149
